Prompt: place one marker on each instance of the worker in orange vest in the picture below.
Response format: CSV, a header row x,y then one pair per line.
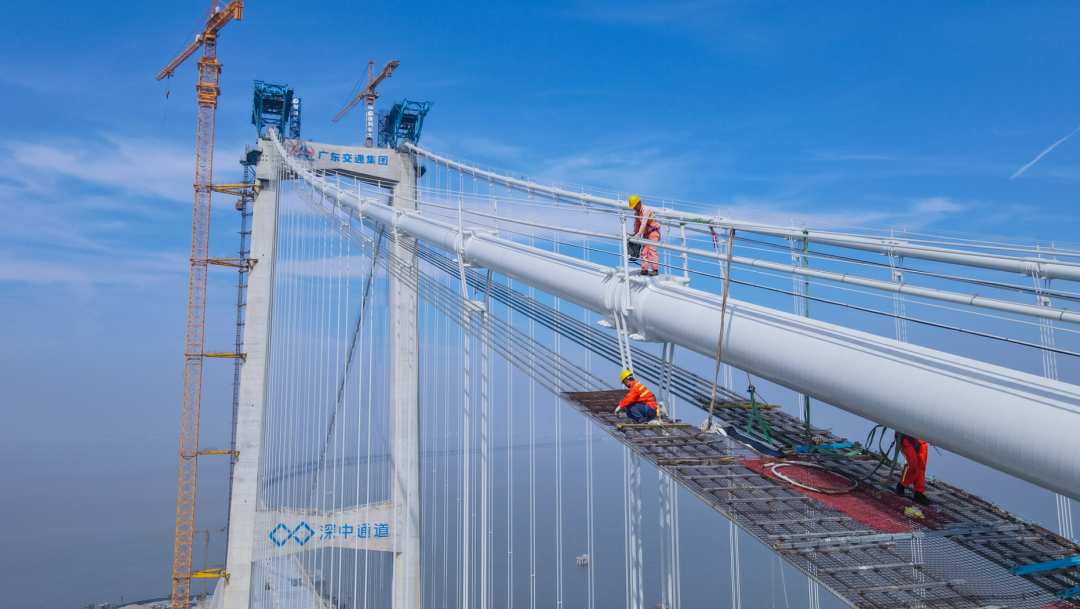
x,y
914,474
639,403
646,227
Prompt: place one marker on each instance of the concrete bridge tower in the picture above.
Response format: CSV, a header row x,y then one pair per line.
x,y
252,523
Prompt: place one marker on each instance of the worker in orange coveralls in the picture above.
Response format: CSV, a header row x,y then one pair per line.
x,y
640,404
914,474
646,227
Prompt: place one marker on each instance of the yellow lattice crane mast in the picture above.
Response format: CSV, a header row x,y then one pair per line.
x,y
207,90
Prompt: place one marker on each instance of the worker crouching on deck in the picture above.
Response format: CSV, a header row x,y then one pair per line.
x,y
914,474
640,404
646,227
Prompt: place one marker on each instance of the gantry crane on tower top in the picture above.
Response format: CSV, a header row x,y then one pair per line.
x,y
207,89
368,95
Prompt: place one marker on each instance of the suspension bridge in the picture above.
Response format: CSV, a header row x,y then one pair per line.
x,y
424,403
425,410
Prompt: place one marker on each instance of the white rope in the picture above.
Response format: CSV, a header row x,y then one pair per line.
x,y
783,584
736,584
637,592
466,538
510,471
532,475
558,478
591,581
446,469
814,591
627,550
343,336
368,332
485,469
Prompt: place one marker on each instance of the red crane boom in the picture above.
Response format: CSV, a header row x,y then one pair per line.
x,y
369,94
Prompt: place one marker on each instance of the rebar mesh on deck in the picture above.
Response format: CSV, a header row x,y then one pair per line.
x,y
870,551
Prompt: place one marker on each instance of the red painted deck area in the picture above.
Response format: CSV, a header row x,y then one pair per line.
x,y
888,514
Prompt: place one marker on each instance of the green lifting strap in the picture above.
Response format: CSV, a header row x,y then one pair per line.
x,y
892,468
755,415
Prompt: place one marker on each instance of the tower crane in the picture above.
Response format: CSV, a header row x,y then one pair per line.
x,y
368,95
207,89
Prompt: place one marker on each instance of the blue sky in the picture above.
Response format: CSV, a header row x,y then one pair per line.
x,y
910,115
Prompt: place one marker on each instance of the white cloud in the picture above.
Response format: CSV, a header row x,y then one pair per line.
x,y
616,167
130,165
937,205
789,209
13,268
734,26
89,269
638,169
480,146
85,212
621,168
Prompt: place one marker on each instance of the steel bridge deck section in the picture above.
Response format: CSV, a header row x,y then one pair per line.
x,y
957,555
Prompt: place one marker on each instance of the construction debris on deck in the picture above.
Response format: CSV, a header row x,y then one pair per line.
x,y
824,512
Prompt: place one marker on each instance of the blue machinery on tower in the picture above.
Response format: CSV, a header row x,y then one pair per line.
x,y
275,106
402,123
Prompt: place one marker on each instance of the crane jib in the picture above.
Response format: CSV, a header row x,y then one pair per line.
x,y
234,10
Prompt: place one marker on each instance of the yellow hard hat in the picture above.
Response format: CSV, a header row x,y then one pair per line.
x,y
624,374
634,200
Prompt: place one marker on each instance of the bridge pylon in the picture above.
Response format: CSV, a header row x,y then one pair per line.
x,y
236,592
264,529
405,402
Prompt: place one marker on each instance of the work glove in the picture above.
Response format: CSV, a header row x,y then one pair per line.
x,y
618,409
